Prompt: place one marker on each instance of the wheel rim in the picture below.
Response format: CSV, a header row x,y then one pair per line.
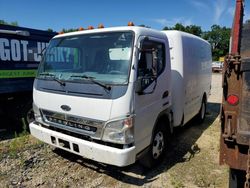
x,y
158,145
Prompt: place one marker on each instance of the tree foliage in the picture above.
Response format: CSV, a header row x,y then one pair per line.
x,y
7,23
69,30
193,29
50,30
218,37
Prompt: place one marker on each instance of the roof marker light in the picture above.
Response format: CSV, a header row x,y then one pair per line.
x,y
81,29
90,27
100,26
131,24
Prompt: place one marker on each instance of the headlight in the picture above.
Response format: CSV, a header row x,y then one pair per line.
x,y
37,113
119,131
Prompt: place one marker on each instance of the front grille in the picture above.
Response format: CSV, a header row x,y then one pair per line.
x,y
75,124
71,124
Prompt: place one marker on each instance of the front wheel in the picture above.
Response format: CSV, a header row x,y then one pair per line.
x,y
27,116
157,148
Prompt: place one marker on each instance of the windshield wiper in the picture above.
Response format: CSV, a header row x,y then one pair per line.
x,y
92,79
54,78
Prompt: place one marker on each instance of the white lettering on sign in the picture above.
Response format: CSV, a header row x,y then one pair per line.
x,y
40,50
61,54
21,50
4,53
15,50
25,49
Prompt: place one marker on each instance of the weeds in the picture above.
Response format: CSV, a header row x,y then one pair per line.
x,y
176,183
17,144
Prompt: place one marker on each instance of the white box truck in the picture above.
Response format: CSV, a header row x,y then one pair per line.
x,y
113,95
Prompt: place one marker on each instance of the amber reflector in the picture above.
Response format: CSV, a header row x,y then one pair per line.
x,y
100,26
130,24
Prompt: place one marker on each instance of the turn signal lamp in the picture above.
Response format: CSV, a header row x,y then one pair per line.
x,y
81,29
61,32
90,27
233,99
131,24
100,26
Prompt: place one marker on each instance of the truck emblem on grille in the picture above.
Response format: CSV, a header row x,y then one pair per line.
x,y
65,108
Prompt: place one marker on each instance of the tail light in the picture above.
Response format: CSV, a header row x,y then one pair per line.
x,y
233,99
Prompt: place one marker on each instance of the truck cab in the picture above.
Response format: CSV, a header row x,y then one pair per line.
x,y
102,93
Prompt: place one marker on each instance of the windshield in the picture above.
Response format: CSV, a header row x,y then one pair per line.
x,y
104,57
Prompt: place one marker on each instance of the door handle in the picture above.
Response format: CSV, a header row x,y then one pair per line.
x,y
165,94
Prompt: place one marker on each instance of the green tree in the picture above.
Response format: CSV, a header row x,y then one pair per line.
x,y
219,38
69,30
193,29
50,30
14,23
142,25
179,27
166,28
11,23
3,22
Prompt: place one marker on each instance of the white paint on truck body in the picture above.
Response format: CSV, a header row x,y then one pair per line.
x,y
191,74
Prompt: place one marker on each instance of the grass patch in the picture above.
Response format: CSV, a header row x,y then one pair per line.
x,y
17,144
176,182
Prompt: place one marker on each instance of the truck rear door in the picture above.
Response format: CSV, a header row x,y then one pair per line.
x,y
243,135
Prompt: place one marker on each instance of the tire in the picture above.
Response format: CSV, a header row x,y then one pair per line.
x,y
236,178
202,112
157,148
27,116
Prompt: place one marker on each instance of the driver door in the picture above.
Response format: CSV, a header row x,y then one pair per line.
x,y
153,97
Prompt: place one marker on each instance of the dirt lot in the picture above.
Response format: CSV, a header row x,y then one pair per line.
x,y
191,162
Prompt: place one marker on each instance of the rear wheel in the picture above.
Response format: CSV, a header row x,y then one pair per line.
x,y
202,112
158,146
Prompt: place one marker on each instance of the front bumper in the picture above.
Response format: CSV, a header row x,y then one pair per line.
x,y
90,150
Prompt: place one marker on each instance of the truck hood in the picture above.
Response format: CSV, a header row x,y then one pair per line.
x,y
98,109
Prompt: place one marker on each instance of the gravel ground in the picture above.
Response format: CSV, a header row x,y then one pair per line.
x,y
191,162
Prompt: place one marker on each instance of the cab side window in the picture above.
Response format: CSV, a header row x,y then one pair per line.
x,y
145,64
